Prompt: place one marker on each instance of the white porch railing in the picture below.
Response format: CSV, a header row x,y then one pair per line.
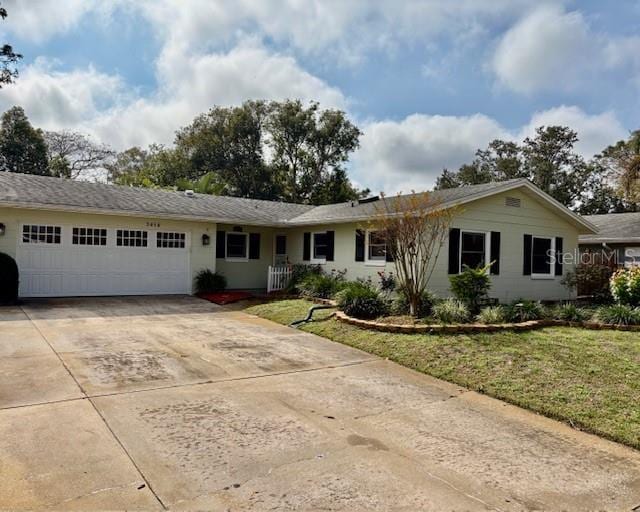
x,y
278,278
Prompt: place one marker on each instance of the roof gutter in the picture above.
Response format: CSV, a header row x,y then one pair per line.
x,y
130,213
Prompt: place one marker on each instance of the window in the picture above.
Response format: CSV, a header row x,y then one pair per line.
x,y
170,240
131,238
541,251
376,247
89,236
237,246
319,246
32,234
281,244
472,249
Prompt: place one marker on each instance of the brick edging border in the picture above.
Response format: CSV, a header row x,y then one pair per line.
x,y
475,328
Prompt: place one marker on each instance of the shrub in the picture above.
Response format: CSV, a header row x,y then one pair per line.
x,y
618,314
590,279
526,310
387,282
321,286
210,282
471,286
299,272
492,315
625,286
359,300
400,305
9,279
570,313
451,311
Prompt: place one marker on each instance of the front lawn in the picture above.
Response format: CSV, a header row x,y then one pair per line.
x,y
589,379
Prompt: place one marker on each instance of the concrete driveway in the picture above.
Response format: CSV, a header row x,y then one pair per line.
x,y
152,403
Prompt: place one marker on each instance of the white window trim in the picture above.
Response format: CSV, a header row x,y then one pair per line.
x,y
150,237
186,240
317,261
246,246
52,244
552,269
74,226
369,262
487,247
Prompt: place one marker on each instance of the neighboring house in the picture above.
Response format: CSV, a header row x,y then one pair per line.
x,y
78,238
618,235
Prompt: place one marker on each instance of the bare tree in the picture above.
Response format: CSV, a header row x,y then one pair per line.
x,y
415,227
72,154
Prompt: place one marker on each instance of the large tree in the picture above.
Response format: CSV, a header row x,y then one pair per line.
x,y
73,154
8,59
548,160
282,151
621,162
22,147
229,142
310,147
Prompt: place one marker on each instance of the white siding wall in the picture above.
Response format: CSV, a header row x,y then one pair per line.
x,y
489,214
200,256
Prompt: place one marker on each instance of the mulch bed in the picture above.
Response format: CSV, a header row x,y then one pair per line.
x,y
228,297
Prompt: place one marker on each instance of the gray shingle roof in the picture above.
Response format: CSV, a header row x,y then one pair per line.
x,y
614,226
29,190
57,193
343,212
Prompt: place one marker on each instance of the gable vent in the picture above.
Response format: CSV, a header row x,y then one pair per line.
x,y
512,201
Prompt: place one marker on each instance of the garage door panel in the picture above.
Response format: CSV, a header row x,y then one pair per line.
x,y
49,270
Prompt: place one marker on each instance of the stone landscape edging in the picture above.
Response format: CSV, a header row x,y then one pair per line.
x,y
475,328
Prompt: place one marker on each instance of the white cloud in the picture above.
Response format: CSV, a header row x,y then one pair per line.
x,y
411,153
548,48
100,104
56,99
39,20
595,132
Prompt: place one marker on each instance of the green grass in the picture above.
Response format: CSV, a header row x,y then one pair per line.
x,y
588,379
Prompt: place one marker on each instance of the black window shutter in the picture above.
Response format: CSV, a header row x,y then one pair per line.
x,y
331,236
220,244
495,253
254,246
306,247
558,256
526,260
454,251
360,244
389,256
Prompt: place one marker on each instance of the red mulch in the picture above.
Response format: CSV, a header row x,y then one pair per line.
x,y
223,298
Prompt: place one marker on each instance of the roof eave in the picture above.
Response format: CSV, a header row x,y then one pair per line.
x,y
134,213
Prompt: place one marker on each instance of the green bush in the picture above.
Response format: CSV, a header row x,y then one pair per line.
x,y
618,314
492,315
9,279
570,313
471,286
400,305
590,279
451,311
321,286
359,300
299,272
625,286
526,310
207,281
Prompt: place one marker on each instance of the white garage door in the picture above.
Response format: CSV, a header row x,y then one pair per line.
x,y
66,260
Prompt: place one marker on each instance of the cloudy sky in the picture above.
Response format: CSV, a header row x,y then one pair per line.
x,y
428,81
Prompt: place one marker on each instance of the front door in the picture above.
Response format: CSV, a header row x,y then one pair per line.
x,y
280,258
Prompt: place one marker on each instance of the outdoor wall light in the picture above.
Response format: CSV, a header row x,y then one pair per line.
x,y
206,239
2,229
